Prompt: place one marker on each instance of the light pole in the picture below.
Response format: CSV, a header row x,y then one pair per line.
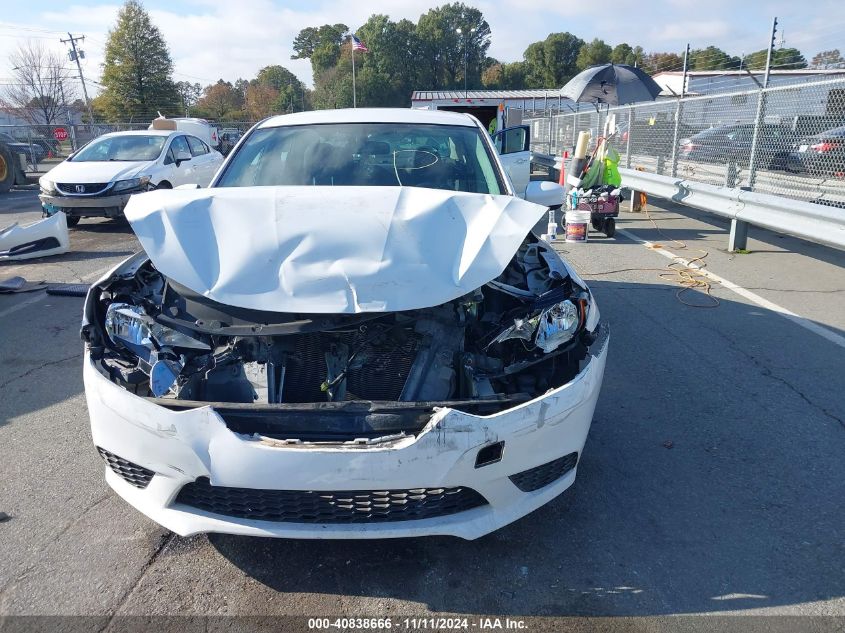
x,y
460,31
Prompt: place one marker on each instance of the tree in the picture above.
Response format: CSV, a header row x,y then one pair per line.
x,y
38,92
654,63
219,99
505,76
289,89
260,100
442,48
782,59
594,53
189,94
711,58
828,59
138,68
625,54
553,61
333,89
321,45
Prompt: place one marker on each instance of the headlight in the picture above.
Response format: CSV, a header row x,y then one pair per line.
x,y
557,326
133,329
132,183
47,186
548,329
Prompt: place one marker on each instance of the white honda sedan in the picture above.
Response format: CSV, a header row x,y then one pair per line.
x,y
98,180
353,333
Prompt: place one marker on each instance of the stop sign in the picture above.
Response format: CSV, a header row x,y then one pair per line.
x,y
60,134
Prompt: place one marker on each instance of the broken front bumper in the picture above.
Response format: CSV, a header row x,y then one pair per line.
x,y
166,450
102,206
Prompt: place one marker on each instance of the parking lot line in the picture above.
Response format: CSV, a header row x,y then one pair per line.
x,y
805,323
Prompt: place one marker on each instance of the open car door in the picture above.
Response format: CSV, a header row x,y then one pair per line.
x,y
512,145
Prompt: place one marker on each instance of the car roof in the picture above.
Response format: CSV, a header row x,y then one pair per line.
x,y
371,115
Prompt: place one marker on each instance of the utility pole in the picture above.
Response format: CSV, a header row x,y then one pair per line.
x,y
74,57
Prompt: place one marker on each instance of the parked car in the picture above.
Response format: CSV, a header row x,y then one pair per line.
x,y
229,137
98,180
353,333
733,142
650,136
30,151
820,154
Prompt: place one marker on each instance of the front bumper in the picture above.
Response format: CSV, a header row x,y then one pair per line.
x,y
182,446
95,206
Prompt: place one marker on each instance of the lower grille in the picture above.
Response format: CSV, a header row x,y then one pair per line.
x,y
133,474
309,506
87,188
541,476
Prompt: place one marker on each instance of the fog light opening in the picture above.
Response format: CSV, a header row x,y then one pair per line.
x,y
489,454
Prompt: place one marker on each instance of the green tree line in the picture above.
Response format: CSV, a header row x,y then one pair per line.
x,y
446,48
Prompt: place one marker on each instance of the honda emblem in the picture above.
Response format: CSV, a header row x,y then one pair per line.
x,y
80,188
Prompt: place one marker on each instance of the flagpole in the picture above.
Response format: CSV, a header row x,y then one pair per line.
x,y
354,89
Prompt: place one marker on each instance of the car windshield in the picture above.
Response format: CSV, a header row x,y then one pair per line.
x,y
370,154
122,148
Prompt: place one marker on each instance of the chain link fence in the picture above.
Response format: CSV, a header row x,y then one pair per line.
x,y
39,148
787,140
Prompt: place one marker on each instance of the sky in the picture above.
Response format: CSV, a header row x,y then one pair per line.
x,y
212,39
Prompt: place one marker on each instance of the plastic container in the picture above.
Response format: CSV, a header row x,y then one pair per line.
x,y
577,223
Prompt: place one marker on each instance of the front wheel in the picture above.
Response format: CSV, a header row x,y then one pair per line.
x,y
72,220
7,168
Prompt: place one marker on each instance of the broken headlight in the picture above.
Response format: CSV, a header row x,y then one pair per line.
x,y
557,326
548,329
130,327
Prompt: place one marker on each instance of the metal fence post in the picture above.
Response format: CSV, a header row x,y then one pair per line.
x,y
761,112
630,133
679,112
755,139
738,239
679,109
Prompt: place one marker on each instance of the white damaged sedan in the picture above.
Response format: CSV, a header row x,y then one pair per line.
x,y
353,333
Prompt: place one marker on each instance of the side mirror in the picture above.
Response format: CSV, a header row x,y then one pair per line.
x,y
184,187
544,193
182,156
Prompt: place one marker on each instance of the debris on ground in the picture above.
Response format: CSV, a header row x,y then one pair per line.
x,y
19,284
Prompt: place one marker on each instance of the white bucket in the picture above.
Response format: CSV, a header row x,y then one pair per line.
x,y
577,223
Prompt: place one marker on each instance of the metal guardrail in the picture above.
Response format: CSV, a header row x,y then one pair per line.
x,y
814,222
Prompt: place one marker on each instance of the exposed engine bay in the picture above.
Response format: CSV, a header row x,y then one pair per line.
x,y
509,341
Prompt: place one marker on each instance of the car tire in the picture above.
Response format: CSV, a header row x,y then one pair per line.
x,y
72,220
8,169
164,185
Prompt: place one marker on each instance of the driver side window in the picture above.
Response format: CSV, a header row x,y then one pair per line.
x,y
179,145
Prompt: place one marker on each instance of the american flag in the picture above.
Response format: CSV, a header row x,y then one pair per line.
x,y
358,45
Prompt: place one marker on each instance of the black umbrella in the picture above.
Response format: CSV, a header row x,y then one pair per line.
x,y
613,84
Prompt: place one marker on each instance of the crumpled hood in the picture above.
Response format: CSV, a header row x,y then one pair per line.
x,y
330,249
96,171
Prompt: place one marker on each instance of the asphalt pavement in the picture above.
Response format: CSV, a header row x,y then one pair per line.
x,y
712,481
